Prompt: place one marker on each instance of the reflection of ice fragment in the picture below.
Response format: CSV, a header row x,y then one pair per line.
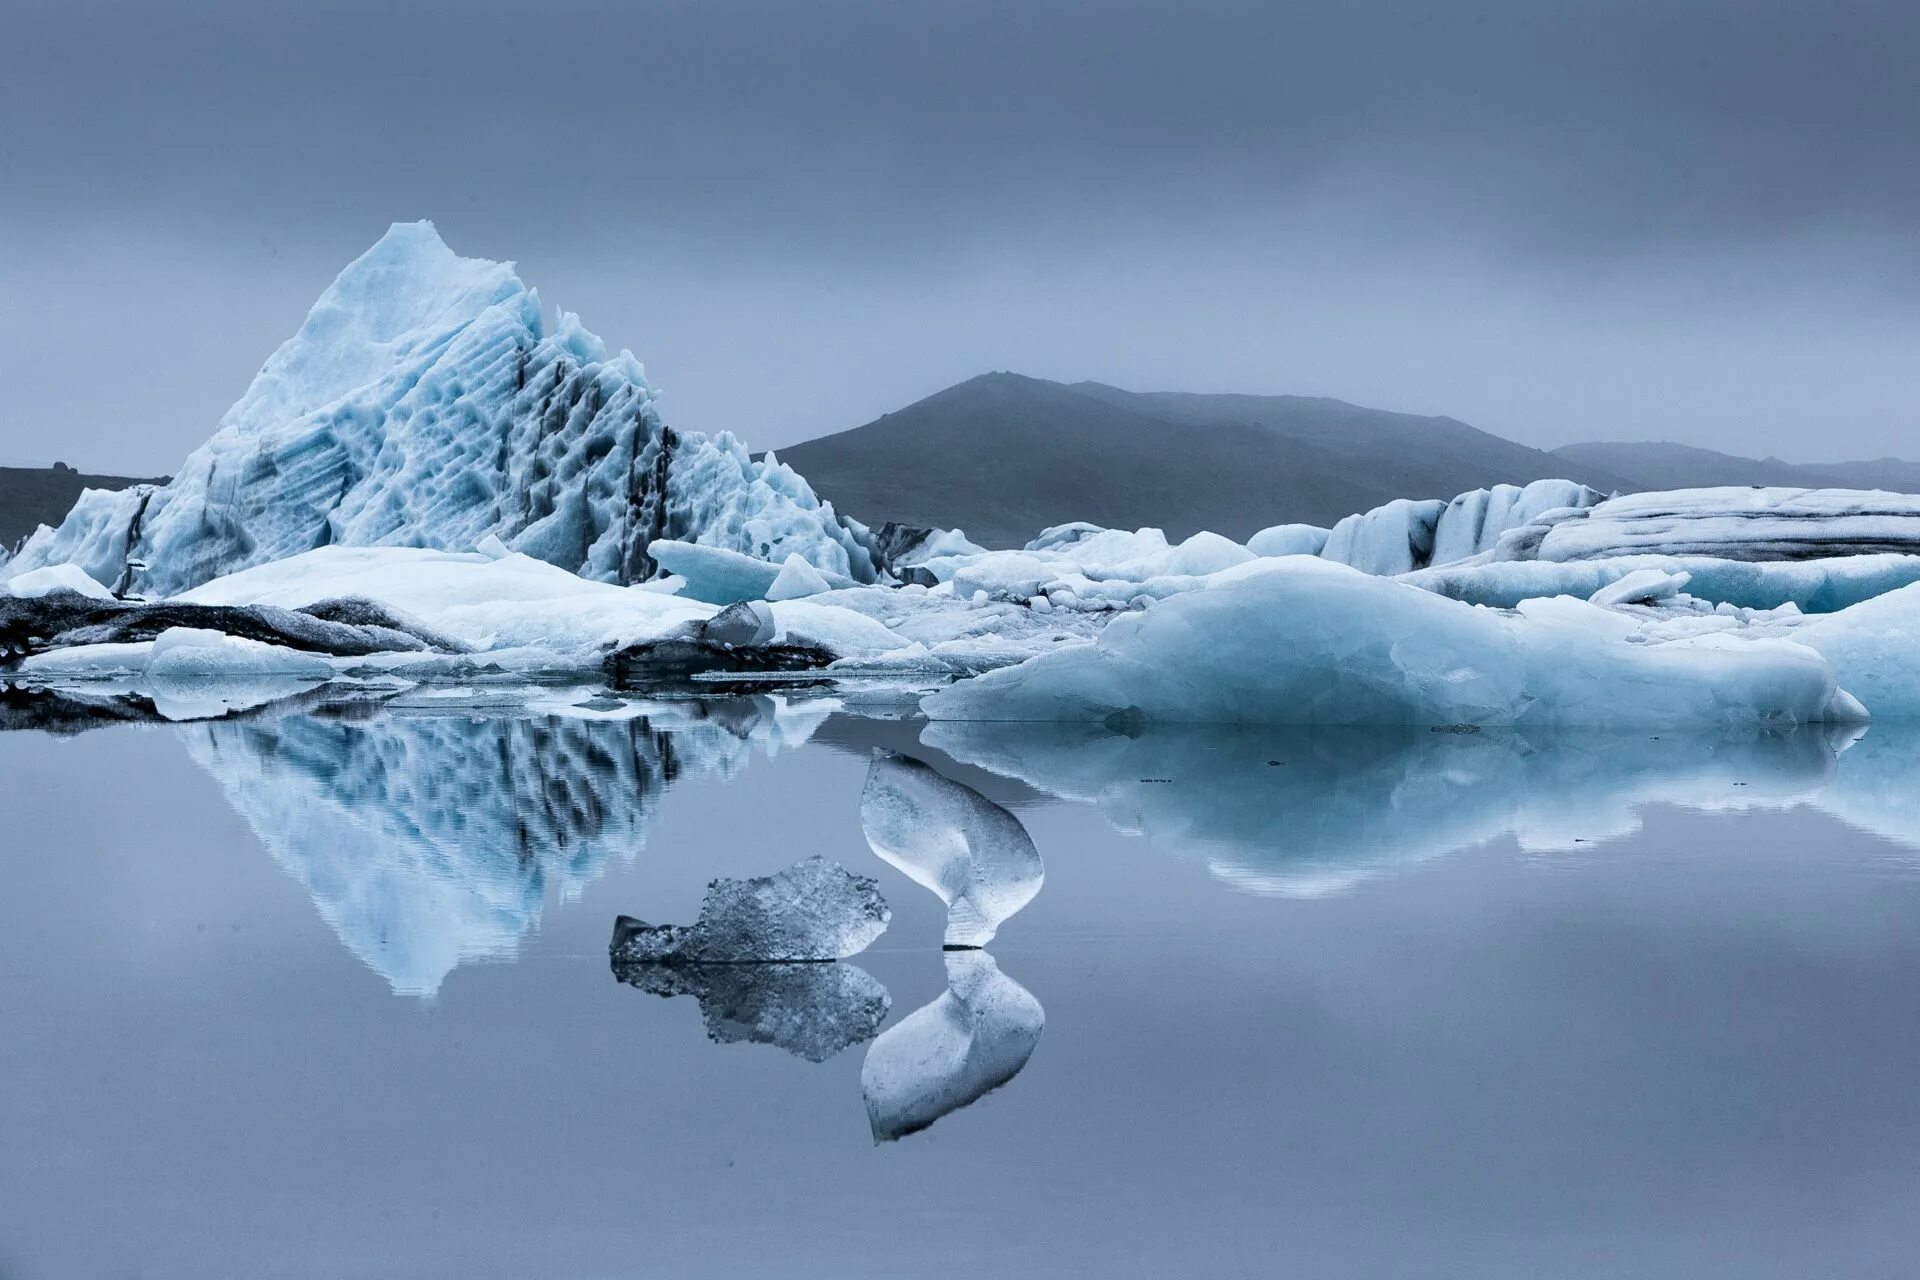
x,y
811,1010
814,910
951,839
953,1052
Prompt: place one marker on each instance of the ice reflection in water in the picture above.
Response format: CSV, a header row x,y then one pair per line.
x,y
430,840
1307,812
812,1010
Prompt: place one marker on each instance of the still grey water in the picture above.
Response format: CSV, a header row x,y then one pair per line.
x,y
327,994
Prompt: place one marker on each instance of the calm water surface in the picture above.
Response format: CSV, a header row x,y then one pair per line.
x,y
328,995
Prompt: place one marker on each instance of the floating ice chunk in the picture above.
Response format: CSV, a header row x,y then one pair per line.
x,y
1289,540
971,1040
974,855
492,548
720,576
796,580
1301,641
814,910
179,653
1875,651
1642,586
813,1011
34,583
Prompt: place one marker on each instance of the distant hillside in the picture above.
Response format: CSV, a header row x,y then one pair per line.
x,y
1656,465
1003,456
33,496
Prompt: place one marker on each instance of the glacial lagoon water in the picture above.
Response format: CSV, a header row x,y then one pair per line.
x,y
326,993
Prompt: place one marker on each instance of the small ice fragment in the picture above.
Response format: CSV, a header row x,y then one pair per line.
x,y
1641,586
492,548
945,1055
740,626
951,839
814,910
796,580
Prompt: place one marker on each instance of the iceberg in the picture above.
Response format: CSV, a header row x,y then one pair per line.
x,y
1732,523
975,1037
948,838
425,402
1302,641
1812,586
1408,534
814,910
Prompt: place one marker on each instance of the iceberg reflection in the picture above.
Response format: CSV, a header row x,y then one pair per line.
x,y
427,840
811,1009
1304,813
952,1052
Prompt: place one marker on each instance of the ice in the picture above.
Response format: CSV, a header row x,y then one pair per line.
x,y
179,653
1289,540
797,580
1740,524
520,603
428,840
1308,813
426,402
1302,641
814,910
1408,534
1642,586
951,1053
950,839
1813,586
1874,648
36,583
813,1011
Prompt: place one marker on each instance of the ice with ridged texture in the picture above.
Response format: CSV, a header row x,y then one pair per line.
x,y
975,1037
429,841
1408,534
1302,641
950,839
813,1011
1737,523
426,402
1813,586
814,910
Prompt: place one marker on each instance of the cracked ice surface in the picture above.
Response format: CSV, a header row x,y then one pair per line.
x,y
952,840
814,910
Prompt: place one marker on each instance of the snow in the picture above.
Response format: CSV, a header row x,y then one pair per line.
x,y
814,910
948,838
969,1041
425,402
1296,641
35,583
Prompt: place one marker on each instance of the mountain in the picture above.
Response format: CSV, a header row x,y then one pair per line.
x,y
1003,456
1657,465
427,402
33,496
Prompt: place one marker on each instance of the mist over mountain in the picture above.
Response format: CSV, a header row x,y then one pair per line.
x,y
1003,456
1659,465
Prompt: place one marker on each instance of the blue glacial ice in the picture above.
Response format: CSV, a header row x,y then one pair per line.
x,y
426,402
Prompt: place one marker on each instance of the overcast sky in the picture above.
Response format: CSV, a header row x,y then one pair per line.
x,y
1556,220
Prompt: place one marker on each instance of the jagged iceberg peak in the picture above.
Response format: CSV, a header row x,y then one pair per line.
x,y
424,402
